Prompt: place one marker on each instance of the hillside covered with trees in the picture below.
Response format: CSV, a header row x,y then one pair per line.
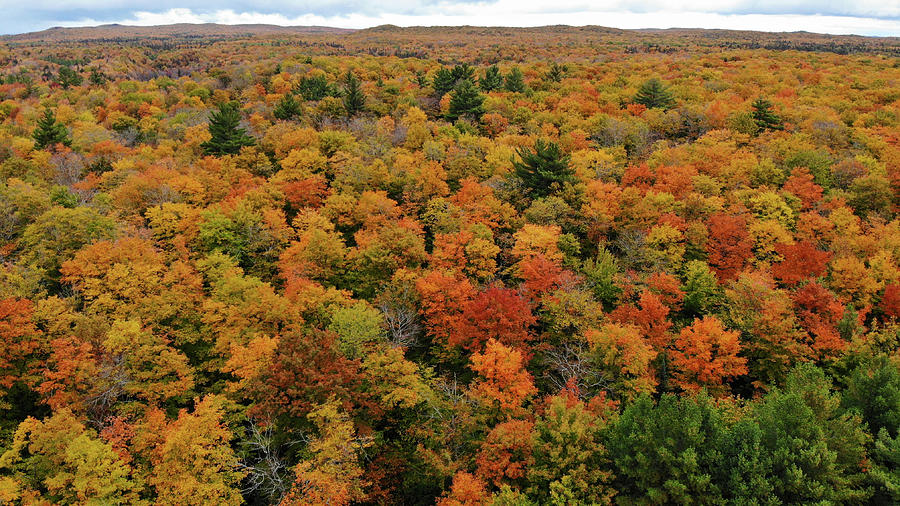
x,y
459,266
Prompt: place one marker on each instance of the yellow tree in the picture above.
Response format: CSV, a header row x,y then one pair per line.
x,y
61,461
194,463
333,474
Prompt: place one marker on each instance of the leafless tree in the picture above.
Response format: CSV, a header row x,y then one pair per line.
x,y
268,474
569,364
400,316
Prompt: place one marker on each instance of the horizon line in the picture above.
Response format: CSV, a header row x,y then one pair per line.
x,y
289,26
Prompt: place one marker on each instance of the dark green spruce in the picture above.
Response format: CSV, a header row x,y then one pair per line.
x,y
544,169
50,132
227,137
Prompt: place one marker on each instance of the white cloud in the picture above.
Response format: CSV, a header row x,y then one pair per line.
x,y
535,13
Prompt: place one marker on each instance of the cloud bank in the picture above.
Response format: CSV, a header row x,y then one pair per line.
x,y
863,17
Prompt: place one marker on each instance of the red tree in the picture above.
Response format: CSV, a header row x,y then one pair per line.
x,y
802,260
729,245
495,313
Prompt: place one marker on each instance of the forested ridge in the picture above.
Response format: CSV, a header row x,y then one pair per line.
x,y
459,266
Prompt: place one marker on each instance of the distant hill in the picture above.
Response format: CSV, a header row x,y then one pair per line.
x,y
450,43
180,30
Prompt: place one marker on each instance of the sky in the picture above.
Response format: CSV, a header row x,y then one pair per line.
x,y
862,17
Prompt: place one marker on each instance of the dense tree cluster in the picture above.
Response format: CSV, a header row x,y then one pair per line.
x,y
301,278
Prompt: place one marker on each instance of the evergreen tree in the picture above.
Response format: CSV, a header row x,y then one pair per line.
x,y
421,80
49,132
466,101
443,82
764,117
743,465
68,77
515,81
556,72
354,99
873,392
315,88
817,451
666,454
544,169
287,108
654,94
227,137
462,73
492,79
97,77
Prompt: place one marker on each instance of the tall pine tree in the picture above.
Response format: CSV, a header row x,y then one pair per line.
x,y
515,81
354,99
764,117
654,94
466,101
544,169
287,108
492,79
443,82
227,137
49,132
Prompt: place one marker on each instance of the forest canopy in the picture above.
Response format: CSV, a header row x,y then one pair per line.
x,y
449,266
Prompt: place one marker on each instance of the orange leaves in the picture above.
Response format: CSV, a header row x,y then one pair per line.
x,y
503,381
194,458
505,454
819,313
802,186
308,192
650,316
18,339
802,260
443,298
69,374
129,277
705,355
467,490
765,314
306,369
333,475
495,313
729,245
470,251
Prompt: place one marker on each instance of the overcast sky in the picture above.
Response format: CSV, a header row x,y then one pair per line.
x,y
864,17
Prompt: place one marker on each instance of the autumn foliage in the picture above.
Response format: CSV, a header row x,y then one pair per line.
x,y
457,266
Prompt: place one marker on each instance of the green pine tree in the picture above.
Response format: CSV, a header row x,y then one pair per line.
x,y
443,82
354,99
97,77
68,77
492,79
462,73
315,88
556,72
515,81
49,132
543,170
665,454
287,108
227,137
466,100
421,80
654,94
764,117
